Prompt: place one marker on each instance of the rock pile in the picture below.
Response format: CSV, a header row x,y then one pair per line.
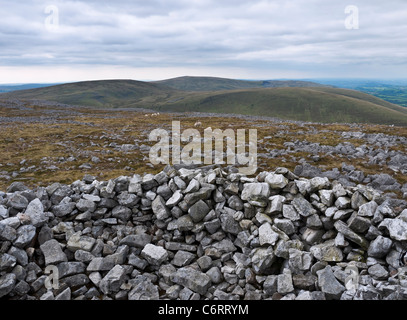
x,y
204,233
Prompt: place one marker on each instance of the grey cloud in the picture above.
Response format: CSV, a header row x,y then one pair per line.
x,y
294,34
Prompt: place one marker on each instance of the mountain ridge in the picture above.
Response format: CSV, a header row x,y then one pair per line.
x,y
291,100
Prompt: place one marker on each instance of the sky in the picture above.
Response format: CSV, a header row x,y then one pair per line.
x,y
56,41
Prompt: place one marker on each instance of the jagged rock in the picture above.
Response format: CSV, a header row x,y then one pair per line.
x,y
303,207
35,211
204,233
276,181
327,251
329,285
351,235
159,208
267,235
7,284
198,211
192,279
285,282
143,289
53,253
154,255
79,242
396,227
379,247
113,280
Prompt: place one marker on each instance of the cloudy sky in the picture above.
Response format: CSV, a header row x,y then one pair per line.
x,y
59,41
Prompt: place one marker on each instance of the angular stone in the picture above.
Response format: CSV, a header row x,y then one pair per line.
x,y
378,272
276,181
303,207
113,280
159,208
396,227
379,247
63,209
270,285
329,285
303,185
327,251
174,199
285,225
183,258
235,203
127,199
143,289
183,223
313,236
3,212
70,268
52,252
318,183
285,282
283,247
341,227
275,205
86,205
136,240
300,260
7,262
262,259
192,279
289,212
25,234
193,186
342,203
7,233
77,280
368,209
64,295
121,212
79,242
35,211
327,197
154,255
17,201
304,282
198,211
267,235
256,193
359,224
229,224
7,284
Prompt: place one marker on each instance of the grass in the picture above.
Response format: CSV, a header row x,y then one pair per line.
x,y
316,104
89,132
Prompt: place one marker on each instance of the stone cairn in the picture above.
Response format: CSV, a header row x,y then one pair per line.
x,y
202,233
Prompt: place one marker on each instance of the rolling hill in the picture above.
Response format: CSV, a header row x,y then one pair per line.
x,y
306,103
220,84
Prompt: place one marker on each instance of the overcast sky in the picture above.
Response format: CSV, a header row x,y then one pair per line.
x,y
59,41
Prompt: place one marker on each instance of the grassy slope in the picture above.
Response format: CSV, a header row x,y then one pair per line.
x,y
220,84
308,104
106,93
316,104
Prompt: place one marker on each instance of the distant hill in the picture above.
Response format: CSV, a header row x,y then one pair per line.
x,y
220,84
307,103
103,93
15,87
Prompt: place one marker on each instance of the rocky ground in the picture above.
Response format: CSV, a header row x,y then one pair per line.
x,y
323,218
206,233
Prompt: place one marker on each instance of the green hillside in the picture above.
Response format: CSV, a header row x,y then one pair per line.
x,y
220,84
104,93
304,104
317,104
